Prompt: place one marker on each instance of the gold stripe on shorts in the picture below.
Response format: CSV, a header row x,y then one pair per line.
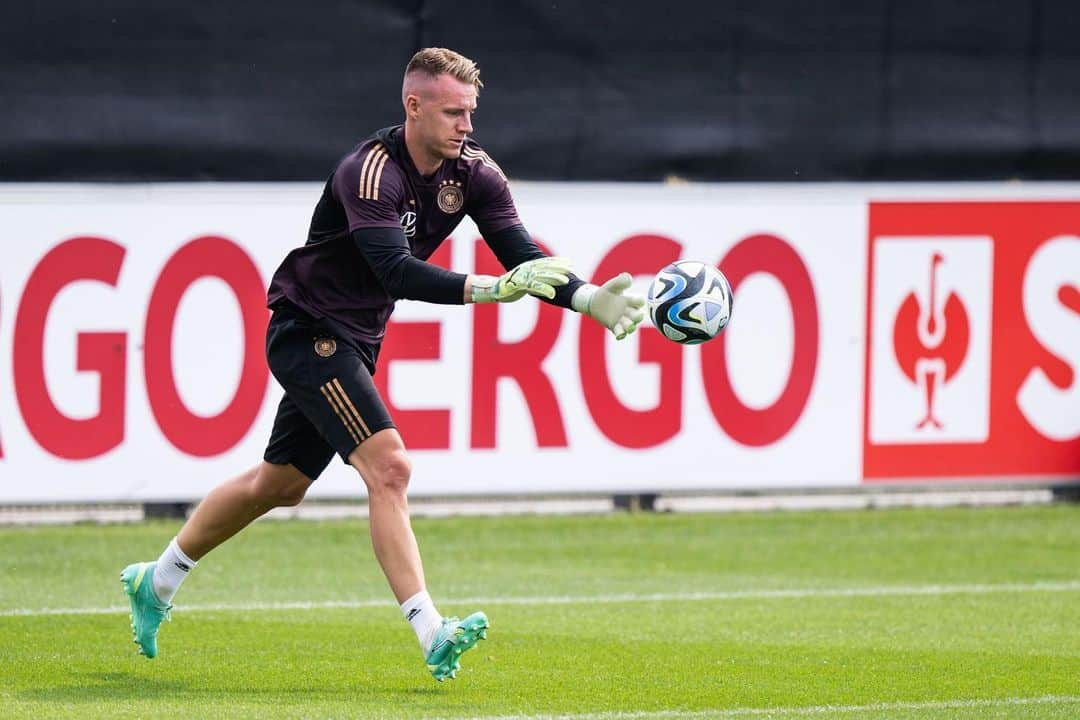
x,y
337,383
339,410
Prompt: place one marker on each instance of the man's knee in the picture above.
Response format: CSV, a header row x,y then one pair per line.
x,y
280,485
389,472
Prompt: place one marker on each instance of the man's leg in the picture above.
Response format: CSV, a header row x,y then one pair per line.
x,y
384,465
296,454
233,505
227,510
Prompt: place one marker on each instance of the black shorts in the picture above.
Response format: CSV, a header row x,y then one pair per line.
x,y
330,404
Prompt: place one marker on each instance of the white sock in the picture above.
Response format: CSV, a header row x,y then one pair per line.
x,y
420,611
172,568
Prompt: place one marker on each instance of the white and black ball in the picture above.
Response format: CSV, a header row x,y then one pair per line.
x,y
690,302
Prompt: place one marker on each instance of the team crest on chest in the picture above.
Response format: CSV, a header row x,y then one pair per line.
x,y
450,198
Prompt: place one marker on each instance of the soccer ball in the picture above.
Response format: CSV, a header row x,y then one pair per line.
x,y
690,302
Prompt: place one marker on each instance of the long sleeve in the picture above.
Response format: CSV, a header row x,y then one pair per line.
x,y
404,276
513,246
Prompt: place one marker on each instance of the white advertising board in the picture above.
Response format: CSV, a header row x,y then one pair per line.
x,y
132,319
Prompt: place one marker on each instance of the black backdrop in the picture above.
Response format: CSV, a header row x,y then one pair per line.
x,y
714,90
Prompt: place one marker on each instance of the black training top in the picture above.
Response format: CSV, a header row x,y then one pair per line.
x,y
378,218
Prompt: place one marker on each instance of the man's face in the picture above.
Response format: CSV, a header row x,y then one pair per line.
x,y
442,114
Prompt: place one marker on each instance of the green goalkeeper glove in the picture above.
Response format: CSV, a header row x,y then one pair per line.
x,y
610,305
537,277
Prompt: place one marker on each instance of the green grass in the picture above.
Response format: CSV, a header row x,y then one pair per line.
x,y
602,619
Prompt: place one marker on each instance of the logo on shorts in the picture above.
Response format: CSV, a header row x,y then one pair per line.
x,y
450,198
325,347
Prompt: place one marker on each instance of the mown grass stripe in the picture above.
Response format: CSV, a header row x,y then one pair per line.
x,y
804,711
764,594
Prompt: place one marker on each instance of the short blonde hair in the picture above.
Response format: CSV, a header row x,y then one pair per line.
x,y
434,62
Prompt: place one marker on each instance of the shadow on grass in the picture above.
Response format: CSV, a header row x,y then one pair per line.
x,y
118,686
94,687
115,685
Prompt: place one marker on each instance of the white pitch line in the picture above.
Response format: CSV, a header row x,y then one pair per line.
x,y
802,711
795,593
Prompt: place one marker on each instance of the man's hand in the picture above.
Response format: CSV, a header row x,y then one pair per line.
x,y
537,277
610,305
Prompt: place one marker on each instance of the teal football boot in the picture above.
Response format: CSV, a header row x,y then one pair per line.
x,y
147,612
452,639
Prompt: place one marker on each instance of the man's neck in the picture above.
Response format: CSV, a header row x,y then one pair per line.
x,y
425,165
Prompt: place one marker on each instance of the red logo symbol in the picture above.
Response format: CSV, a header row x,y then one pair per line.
x,y
931,343
1000,370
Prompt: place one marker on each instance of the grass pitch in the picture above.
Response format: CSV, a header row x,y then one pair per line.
x,y
872,614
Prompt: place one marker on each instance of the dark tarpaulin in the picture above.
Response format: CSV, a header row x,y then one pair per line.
x,y
723,90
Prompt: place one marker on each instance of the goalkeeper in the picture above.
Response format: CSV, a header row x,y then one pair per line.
x,y
385,209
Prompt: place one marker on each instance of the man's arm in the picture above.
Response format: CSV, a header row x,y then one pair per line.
x,y
609,304
370,200
492,207
513,246
406,277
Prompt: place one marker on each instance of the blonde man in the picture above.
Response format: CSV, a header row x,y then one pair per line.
x,y
385,209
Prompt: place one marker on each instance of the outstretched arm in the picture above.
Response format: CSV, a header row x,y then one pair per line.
x,y
406,277
541,277
609,304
